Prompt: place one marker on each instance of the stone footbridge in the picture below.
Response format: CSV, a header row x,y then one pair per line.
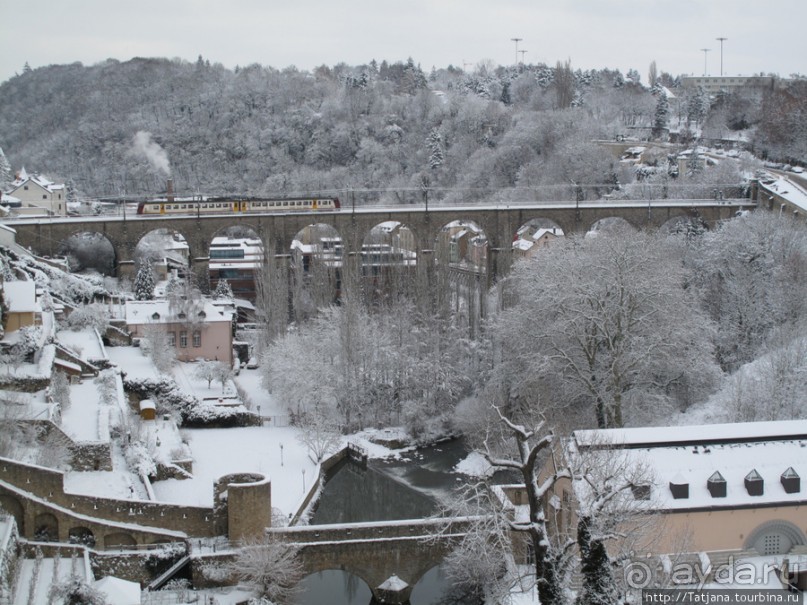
x,y
378,550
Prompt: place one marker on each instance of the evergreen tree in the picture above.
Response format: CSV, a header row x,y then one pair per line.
x,y
435,144
6,174
144,283
697,106
505,98
223,290
661,120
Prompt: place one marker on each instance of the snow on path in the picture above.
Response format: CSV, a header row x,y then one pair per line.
x,y
80,419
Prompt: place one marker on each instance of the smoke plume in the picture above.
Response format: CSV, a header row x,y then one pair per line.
x,y
152,151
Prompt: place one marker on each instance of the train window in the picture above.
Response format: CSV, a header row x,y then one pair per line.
x,y
285,203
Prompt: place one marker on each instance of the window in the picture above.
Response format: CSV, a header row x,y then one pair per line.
x,y
44,197
183,339
172,339
197,339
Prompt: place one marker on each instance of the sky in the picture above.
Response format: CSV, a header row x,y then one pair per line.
x,y
760,36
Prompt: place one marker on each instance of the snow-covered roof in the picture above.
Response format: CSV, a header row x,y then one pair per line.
x,y
20,297
706,434
523,244
139,312
691,455
23,177
393,583
119,591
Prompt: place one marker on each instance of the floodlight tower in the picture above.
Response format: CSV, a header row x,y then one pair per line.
x,y
705,50
516,40
721,40
522,55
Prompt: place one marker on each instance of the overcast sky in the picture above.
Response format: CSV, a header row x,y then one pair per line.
x,y
762,36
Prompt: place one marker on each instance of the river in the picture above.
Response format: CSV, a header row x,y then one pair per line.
x,y
406,488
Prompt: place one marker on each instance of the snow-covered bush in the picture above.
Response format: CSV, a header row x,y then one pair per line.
x,y
140,460
89,316
191,411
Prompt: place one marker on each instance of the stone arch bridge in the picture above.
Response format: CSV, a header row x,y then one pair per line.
x,y
498,222
372,551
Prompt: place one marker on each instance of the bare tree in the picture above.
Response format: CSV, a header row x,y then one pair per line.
x,y
272,568
319,431
206,370
157,347
613,503
612,326
521,446
223,373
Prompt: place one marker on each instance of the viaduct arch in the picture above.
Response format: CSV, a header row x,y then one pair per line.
x,y
499,224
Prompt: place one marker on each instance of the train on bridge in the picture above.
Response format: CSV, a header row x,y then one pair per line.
x,y
224,206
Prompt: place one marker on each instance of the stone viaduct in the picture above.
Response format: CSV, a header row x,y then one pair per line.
x,y
498,222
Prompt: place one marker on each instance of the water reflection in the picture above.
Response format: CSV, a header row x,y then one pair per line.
x,y
334,587
353,494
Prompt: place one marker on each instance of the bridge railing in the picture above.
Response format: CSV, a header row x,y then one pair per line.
x,y
373,530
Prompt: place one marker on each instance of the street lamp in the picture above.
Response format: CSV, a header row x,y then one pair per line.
x,y
705,50
721,40
516,40
281,454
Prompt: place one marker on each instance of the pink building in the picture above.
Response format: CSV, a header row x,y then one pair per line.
x,y
198,330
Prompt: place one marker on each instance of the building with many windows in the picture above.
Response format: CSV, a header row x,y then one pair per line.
x,y
236,260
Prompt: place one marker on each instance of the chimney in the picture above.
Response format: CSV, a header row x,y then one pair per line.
x,y
169,190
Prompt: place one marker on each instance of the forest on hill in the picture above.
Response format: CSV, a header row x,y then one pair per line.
x,y
389,132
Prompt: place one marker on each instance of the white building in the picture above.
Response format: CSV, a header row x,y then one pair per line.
x,y
39,195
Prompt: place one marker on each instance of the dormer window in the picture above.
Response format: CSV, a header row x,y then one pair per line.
x,y
202,314
640,492
679,488
716,485
155,315
182,315
791,481
754,484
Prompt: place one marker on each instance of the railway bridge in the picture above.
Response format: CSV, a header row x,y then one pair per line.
x,y
498,222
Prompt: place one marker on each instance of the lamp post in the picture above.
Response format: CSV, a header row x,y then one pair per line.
x,y
705,50
721,40
522,55
281,455
516,40
303,480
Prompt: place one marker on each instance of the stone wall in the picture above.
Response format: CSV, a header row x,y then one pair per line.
x,y
47,485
